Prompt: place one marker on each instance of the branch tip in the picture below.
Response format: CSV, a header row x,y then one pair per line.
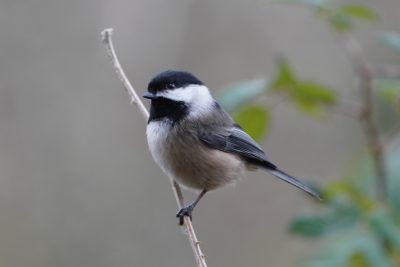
x,y
106,34
135,99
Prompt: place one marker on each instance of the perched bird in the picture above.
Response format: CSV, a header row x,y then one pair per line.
x,y
196,142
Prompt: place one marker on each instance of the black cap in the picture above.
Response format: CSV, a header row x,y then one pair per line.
x,y
171,79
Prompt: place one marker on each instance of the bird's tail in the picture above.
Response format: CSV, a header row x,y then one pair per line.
x,y
293,181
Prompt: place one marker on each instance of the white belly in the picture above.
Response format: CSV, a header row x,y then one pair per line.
x,y
184,158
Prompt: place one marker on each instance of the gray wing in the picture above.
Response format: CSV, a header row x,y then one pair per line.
x,y
235,140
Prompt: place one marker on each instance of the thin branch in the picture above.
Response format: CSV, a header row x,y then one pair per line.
x,y
107,40
194,242
371,130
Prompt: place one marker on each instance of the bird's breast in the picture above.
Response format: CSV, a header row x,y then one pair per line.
x,y
183,157
157,138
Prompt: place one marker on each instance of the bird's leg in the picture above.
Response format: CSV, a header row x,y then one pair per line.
x,y
187,211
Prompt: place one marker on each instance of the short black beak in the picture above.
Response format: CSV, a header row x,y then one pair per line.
x,y
149,95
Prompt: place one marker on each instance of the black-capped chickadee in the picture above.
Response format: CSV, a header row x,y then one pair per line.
x,y
196,142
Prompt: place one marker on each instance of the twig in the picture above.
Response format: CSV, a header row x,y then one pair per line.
x,y
107,40
371,130
195,244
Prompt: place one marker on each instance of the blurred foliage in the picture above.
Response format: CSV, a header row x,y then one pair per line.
x,y
337,217
390,90
310,97
235,96
254,119
363,227
341,18
392,40
356,229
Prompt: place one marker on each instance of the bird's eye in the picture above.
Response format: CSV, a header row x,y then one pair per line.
x,y
171,86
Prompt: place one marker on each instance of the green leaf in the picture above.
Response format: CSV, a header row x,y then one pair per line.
x,y
393,179
373,251
309,226
385,226
285,76
317,3
389,90
314,92
335,17
353,247
364,180
358,260
345,188
254,120
338,188
308,107
310,96
392,39
357,11
237,95
342,18
340,21
337,217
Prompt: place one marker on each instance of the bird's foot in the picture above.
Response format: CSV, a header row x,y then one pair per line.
x,y
186,211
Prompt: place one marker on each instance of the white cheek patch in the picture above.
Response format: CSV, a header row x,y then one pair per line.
x,y
197,96
185,94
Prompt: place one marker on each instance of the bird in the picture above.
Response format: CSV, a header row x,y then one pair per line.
x,y
197,143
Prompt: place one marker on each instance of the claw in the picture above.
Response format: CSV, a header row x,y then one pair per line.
x,y
186,211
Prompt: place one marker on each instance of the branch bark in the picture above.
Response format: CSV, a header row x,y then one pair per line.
x,y
134,98
371,130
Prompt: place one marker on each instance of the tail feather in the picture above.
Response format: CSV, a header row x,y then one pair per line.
x,y
295,182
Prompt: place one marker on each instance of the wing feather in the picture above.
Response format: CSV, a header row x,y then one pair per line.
x,y
235,140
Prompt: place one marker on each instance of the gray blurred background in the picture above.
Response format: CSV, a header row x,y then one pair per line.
x,y
78,186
